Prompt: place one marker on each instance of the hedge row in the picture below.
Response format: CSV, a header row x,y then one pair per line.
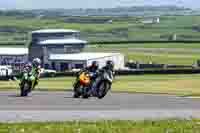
x,y
143,41
113,42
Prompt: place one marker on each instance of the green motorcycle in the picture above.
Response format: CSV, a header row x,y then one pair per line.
x,y
28,83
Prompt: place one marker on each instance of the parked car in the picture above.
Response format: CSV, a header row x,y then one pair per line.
x,y
47,73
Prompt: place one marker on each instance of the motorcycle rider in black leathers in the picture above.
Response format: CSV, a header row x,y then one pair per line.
x,y
109,67
94,72
92,69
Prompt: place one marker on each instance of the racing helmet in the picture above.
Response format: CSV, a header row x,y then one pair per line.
x,y
36,62
110,64
95,64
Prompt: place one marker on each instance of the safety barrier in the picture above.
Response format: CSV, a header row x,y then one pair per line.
x,y
156,66
5,78
140,71
161,71
121,72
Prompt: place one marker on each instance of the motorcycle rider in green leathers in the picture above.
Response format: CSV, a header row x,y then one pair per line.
x,y
34,69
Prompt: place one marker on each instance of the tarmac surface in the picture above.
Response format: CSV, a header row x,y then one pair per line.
x,y
61,106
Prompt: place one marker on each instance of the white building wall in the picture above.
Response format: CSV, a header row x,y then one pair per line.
x,y
46,57
118,60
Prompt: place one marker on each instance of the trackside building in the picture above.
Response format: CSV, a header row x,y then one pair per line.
x,y
79,60
62,49
58,49
54,41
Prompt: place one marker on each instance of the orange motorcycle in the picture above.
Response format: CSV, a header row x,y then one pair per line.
x,y
81,86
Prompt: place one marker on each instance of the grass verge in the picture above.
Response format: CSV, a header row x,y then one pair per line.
x,y
147,126
183,84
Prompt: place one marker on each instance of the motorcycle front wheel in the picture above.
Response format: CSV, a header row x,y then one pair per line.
x,y
25,89
77,93
102,90
85,92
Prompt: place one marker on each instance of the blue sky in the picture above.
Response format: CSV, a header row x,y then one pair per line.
x,y
35,4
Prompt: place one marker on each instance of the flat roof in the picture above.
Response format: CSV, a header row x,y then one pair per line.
x,y
62,41
80,56
13,51
55,31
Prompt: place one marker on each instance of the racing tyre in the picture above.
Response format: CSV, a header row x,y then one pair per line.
x,y
25,89
103,89
85,93
76,94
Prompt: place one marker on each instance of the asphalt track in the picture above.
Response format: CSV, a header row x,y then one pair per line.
x,y
60,106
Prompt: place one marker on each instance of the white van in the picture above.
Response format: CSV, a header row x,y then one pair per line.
x,y
5,70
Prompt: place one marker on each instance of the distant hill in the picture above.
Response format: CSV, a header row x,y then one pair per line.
x,y
118,11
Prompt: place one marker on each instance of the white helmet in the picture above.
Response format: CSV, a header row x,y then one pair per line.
x,y
36,62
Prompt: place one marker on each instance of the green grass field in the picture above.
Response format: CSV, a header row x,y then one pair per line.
x,y
185,46
186,27
174,53
122,28
147,126
169,84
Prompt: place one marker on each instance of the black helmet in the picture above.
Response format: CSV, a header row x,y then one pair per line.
x,y
95,64
110,64
28,64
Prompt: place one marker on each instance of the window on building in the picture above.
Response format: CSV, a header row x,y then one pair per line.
x,y
64,66
79,66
